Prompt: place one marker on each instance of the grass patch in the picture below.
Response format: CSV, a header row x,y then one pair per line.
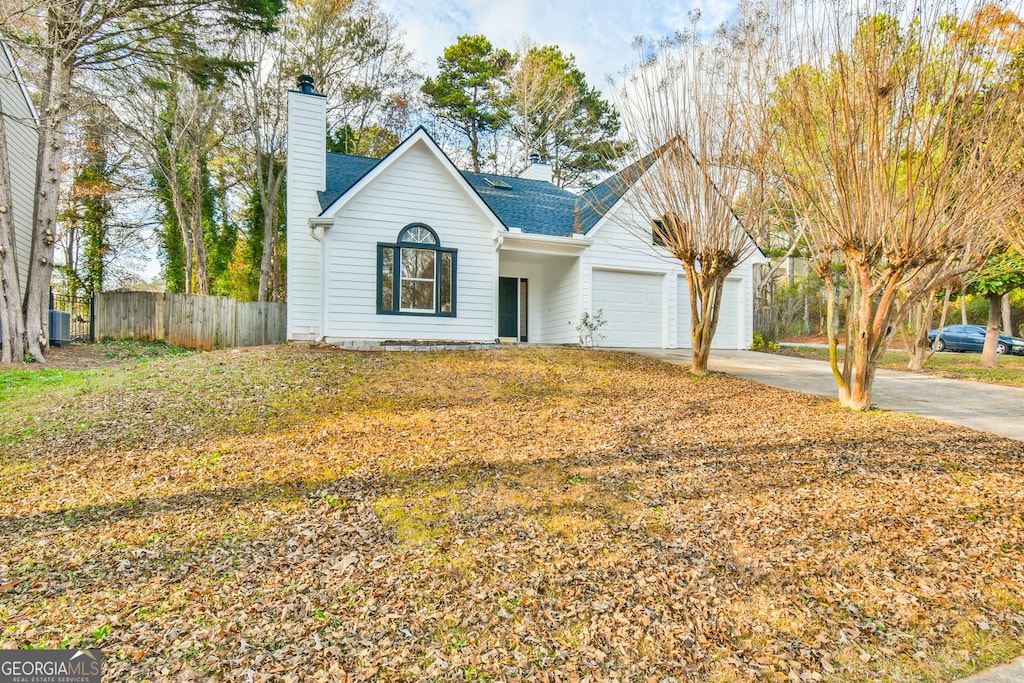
x,y
951,365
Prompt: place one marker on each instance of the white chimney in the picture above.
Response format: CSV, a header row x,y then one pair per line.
x,y
536,170
307,175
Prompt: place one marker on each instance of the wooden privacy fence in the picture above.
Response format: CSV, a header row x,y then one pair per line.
x,y
195,322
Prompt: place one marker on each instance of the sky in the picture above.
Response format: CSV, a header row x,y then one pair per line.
x,y
599,32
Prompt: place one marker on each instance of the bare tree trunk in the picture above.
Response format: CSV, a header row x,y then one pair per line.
x,y
53,116
12,324
1007,321
963,308
988,355
269,182
202,272
915,330
705,293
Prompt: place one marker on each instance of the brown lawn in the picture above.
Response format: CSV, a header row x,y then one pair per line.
x,y
307,514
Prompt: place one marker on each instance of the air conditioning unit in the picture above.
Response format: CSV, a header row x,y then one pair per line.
x,y
60,328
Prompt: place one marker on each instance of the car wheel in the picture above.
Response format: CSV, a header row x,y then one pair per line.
x,y
939,345
1001,347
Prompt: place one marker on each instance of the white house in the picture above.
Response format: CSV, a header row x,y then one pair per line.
x,y
21,121
410,248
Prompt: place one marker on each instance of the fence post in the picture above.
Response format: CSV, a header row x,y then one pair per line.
x,y
92,317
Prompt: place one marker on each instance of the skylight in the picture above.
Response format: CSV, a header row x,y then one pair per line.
x,y
497,182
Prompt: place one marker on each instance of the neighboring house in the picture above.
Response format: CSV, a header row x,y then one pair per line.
x,y
21,121
410,248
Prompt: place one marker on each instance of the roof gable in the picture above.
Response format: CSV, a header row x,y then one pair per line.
x,y
355,173
19,81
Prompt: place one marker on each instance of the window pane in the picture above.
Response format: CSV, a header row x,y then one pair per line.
x,y
387,280
417,234
418,295
446,282
418,263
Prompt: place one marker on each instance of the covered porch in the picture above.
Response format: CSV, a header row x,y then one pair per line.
x,y
538,292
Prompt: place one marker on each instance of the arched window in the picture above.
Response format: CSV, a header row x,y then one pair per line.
x,y
416,275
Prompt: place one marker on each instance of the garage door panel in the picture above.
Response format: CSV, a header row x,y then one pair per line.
x,y
727,334
632,306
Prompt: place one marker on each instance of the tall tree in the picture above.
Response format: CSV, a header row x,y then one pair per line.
x,y
356,55
1002,273
562,118
264,132
544,97
682,107
105,35
354,52
87,219
468,92
878,133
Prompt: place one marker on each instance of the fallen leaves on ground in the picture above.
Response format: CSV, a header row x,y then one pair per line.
x,y
303,513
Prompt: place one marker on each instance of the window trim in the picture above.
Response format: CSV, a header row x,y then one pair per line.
x,y
396,287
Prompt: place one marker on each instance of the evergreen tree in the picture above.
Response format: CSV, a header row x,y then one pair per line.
x,y
469,92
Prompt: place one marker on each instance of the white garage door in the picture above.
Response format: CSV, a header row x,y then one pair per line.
x,y
631,303
727,336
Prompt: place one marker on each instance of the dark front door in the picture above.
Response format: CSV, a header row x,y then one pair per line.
x,y
508,307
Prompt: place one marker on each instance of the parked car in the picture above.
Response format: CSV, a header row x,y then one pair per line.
x,y
972,338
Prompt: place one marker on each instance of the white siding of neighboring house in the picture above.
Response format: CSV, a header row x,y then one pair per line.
x,y
22,146
414,188
307,166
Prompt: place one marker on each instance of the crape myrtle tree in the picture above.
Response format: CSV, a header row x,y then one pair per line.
x,y
95,35
683,113
879,131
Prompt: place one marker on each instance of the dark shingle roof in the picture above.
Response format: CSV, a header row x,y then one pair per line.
x,y
533,206
343,171
598,200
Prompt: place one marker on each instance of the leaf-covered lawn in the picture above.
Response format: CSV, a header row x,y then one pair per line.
x,y
309,514
948,364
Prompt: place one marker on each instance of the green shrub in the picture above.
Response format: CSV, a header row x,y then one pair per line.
x,y
760,344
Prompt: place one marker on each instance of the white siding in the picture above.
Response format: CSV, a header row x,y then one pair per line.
x,y
415,188
683,314
561,301
22,147
307,164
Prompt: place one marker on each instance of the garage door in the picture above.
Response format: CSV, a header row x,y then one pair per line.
x,y
631,303
727,336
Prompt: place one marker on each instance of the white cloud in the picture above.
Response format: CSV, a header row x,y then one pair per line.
x,y
598,32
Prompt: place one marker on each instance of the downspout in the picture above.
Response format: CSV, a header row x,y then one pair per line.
x,y
322,226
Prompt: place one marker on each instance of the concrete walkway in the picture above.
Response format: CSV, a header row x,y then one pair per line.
x,y
1007,673
986,407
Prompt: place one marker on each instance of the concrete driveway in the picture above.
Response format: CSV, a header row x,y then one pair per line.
x,y
986,407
